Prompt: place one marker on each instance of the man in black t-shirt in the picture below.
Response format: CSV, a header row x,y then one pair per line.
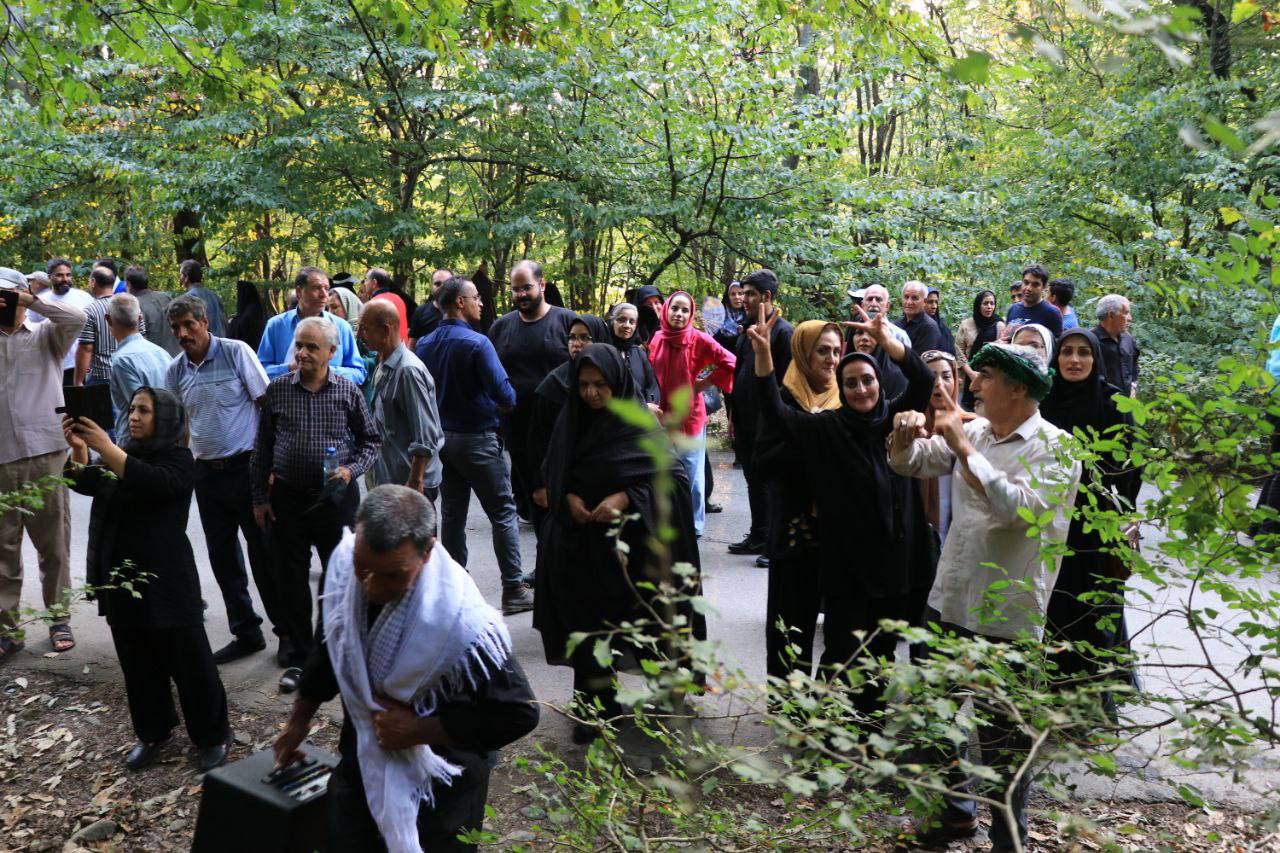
x,y
427,316
531,341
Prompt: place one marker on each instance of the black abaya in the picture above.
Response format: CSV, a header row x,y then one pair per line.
x,y
582,584
1088,405
878,555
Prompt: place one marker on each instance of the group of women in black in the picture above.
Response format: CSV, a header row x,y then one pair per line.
x,y
848,538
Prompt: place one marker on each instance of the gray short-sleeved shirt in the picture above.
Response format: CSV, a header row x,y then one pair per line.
x,y
220,396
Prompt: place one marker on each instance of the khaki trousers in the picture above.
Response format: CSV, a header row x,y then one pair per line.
x,y
49,528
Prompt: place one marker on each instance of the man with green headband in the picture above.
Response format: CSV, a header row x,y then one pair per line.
x,y
1004,466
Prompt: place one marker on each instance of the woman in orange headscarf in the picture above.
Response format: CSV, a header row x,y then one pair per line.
x,y
795,582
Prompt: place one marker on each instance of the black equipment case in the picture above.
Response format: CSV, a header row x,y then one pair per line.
x,y
250,806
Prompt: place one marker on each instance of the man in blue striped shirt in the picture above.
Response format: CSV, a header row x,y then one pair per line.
x,y
276,350
220,385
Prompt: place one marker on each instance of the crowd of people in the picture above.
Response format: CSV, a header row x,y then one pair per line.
x,y
890,465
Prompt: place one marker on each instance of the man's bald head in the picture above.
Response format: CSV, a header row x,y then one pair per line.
x,y
380,326
875,299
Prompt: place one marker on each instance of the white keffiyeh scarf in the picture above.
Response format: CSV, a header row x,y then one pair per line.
x,y
439,637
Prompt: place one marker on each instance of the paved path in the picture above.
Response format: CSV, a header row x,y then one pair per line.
x,y
734,586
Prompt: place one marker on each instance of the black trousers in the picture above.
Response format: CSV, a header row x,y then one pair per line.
x,y
757,497
226,509
458,808
152,659
795,598
301,524
853,610
709,478
594,681
514,431
1003,747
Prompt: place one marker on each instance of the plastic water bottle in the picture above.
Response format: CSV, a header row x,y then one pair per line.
x,y
330,462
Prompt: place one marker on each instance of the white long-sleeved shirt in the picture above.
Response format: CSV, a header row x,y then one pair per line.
x,y
987,541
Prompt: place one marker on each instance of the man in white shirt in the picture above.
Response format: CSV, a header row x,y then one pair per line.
x,y
62,289
1003,465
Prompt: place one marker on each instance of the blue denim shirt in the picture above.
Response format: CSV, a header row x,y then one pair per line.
x,y
470,381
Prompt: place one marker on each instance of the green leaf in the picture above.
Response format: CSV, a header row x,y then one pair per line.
x,y
602,653
1224,135
972,69
1243,9
1230,215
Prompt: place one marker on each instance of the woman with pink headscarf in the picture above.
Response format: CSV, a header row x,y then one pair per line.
x,y
680,354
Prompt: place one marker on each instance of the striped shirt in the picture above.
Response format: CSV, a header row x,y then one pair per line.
x,y
298,425
220,395
98,335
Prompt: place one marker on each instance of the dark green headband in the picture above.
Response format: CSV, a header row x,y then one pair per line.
x,y
1039,381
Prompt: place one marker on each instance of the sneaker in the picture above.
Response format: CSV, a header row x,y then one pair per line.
x,y
517,599
747,546
290,678
240,647
712,509
762,562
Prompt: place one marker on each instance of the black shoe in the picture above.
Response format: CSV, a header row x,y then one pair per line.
x,y
290,678
713,508
737,464
747,546
762,561
285,652
240,647
145,754
210,757
517,599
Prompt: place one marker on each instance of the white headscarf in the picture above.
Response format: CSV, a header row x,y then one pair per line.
x,y
437,638
1043,332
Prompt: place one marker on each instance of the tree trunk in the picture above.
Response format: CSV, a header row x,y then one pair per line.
x,y
188,238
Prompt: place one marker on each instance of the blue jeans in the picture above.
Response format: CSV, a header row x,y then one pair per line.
x,y
473,462
693,457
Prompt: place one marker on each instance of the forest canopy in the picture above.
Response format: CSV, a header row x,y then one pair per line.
x,y
1120,144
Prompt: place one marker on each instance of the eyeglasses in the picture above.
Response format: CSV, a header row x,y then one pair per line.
x,y
582,339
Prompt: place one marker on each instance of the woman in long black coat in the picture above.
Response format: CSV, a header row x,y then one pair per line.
x,y
1087,607
624,324
877,552
598,465
138,548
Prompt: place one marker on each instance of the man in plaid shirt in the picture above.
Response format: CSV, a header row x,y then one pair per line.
x,y
304,413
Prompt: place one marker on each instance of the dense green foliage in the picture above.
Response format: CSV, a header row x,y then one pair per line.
x,y
624,143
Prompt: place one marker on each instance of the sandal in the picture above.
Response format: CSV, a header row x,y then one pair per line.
x,y
9,649
61,638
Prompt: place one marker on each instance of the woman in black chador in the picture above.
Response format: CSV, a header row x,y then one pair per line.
x,y
138,539
877,552
1082,398
595,469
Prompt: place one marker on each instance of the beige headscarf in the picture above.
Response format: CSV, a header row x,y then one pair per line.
x,y
799,379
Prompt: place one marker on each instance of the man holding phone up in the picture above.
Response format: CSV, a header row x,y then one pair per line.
x,y
31,356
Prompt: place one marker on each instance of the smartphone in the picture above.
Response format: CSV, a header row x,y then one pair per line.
x,y
88,401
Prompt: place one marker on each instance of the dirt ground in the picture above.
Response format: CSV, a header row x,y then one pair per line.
x,y
63,785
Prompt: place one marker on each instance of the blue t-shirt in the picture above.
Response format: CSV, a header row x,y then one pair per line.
x,y
1042,312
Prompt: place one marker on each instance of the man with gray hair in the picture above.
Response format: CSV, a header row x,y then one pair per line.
x,y
315,439
31,359
136,362
915,321
1004,468
1119,349
220,384
430,688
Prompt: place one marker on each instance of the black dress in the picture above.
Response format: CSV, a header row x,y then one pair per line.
x,y
877,553
1089,571
138,544
582,584
795,560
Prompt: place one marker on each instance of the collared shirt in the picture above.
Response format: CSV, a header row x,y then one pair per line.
x,y
1120,359
922,331
276,348
1273,360
404,405
298,425
79,298
97,334
212,309
470,381
31,370
137,363
987,541
220,395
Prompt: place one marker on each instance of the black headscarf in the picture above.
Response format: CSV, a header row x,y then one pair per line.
x,y
987,326
624,344
648,323
170,424
596,450
738,315
556,386
864,438
251,316
1087,403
